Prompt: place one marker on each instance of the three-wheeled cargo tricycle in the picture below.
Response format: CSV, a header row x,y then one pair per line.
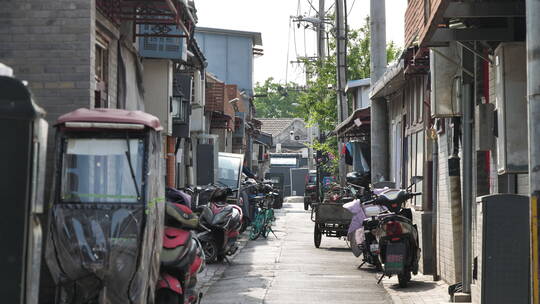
x,y
330,218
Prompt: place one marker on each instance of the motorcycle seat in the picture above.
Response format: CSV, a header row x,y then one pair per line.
x,y
174,237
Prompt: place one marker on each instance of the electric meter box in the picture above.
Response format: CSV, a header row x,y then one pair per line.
x,y
511,102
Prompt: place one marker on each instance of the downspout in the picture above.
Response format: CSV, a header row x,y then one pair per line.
x,y
468,121
434,205
533,100
454,193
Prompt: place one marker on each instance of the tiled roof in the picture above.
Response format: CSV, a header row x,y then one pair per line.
x,y
274,126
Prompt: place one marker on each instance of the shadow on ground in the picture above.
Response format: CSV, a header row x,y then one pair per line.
x,y
415,286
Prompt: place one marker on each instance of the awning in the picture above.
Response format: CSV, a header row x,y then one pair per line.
x,y
356,126
220,121
351,84
392,80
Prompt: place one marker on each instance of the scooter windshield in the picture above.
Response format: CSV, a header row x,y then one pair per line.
x,y
102,170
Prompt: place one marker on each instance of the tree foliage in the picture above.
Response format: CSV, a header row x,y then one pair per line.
x,y
276,101
318,103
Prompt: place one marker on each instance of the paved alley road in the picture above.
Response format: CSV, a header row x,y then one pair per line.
x,y
291,270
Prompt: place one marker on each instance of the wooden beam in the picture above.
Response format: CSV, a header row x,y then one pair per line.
x,y
503,9
443,35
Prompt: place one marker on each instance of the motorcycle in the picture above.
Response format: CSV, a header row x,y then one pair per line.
x,y
363,224
221,223
106,220
182,256
310,196
396,235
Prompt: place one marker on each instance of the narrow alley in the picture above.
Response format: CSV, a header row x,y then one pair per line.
x,y
290,269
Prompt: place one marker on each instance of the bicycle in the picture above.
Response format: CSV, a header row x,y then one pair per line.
x,y
262,224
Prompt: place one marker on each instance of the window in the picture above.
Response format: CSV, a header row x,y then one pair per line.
x,y
179,109
229,169
100,170
101,72
419,165
420,98
284,161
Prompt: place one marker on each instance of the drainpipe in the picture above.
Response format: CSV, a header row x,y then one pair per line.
x,y
379,109
467,186
434,206
533,100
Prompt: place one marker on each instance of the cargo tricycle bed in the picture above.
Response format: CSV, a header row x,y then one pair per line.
x,y
330,219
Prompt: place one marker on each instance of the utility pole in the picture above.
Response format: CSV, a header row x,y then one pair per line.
x,y
341,55
533,100
379,108
321,50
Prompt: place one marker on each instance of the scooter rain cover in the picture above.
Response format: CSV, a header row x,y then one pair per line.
x,y
109,253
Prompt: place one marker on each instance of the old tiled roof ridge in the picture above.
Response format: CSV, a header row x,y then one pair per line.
x,y
275,126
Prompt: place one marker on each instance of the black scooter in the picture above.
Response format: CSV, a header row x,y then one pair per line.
x,y
396,234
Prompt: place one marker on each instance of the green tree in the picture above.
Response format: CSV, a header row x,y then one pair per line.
x,y
276,100
318,103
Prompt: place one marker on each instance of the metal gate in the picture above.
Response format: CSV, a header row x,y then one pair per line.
x,y
298,181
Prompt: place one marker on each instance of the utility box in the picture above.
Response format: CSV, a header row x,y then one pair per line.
x,y
505,249
484,126
158,85
445,87
206,158
22,163
511,100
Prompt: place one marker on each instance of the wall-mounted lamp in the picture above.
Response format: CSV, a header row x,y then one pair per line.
x,y
234,103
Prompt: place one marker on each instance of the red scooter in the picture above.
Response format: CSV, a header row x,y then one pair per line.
x,y
182,257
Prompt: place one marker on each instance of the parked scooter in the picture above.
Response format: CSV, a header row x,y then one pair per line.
x,y
364,222
396,234
182,256
221,223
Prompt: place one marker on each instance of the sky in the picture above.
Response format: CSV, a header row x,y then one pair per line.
x,y
272,19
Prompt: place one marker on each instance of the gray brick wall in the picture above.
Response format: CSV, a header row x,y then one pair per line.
x,y
48,43
446,249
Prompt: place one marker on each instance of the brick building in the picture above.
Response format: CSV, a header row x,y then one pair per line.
x,y
82,54
453,100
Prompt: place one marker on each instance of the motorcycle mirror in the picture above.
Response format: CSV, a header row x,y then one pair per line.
x,y
415,180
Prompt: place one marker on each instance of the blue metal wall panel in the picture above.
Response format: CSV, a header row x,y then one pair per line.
x,y
229,57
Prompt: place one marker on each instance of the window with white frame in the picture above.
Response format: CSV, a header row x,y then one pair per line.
x,y
101,72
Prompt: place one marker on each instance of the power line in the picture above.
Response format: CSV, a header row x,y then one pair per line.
x,y
288,49
311,4
330,8
352,6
